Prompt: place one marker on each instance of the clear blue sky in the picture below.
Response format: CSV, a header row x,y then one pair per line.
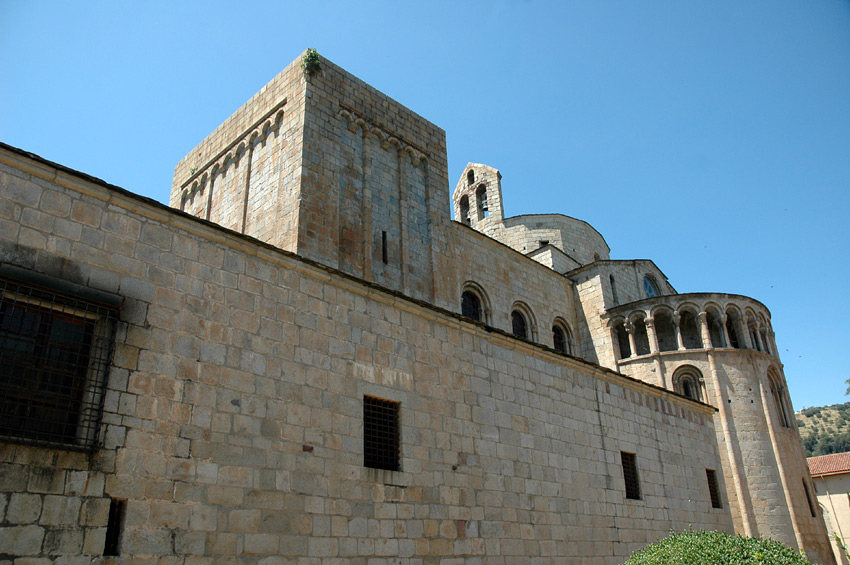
x,y
710,137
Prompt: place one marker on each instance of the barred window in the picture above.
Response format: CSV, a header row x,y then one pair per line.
x,y
470,306
713,491
630,475
54,353
381,438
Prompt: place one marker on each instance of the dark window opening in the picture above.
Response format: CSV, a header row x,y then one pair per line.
x,y
464,210
470,306
665,332
613,289
470,177
544,242
689,328
481,199
811,502
641,338
559,340
630,475
733,335
519,326
623,341
54,354
114,526
381,438
384,247
713,491
778,393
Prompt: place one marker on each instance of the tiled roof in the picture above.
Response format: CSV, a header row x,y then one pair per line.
x,y
829,464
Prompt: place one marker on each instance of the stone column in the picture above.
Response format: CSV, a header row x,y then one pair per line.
x,y
680,344
723,320
704,332
630,329
653,337
744,336
759,344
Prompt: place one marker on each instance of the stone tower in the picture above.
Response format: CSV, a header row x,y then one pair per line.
x,y
325,166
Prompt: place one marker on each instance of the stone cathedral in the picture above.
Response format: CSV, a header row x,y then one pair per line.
x,y
304,359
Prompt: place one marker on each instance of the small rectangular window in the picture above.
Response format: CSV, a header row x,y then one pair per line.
x,y
812,507
55,350
381,438
630,475
713,491
113,527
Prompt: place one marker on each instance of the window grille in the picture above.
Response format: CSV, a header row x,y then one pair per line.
x,y
713,491
630,475
381,434
55,350
470,306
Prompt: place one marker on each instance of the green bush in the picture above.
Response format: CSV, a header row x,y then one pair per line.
x,y
715,548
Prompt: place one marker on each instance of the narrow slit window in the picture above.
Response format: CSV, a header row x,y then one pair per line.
x,y
381,437
384,247
630,475
112,545
713,491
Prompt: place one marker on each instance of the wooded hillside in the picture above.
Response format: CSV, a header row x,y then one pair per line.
x,y
825,429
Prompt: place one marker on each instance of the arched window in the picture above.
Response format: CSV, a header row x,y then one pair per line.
x,y
559,341
622,341
731,329
665,332
464,209
687,381
690,330
519,326
641,337
470,177
715,329
481,199
649,287
777,390
470,306
562,338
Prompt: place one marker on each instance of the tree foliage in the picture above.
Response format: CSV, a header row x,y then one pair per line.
x,y
716,548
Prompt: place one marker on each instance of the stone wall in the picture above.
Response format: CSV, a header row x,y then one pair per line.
x,y
233,422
